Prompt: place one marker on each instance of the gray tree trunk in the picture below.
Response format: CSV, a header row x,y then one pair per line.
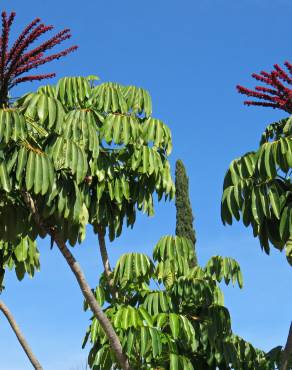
x,y
20,336
84,286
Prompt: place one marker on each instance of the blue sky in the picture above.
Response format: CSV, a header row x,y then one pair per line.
x,y
189,55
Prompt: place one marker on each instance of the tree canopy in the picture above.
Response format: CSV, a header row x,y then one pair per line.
x,y
257,186
170,315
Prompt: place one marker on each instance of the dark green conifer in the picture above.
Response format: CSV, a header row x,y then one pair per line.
x,y
184,214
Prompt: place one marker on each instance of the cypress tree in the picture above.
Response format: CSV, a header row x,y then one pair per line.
x,y
184,214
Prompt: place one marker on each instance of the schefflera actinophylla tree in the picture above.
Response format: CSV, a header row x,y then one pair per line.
x,y
84,154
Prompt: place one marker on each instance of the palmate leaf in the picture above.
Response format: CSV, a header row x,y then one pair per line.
x,y
178,362
274,155
30,166
127,317
138,336
158,133
120,129
148,160
66,154
72,231
48,90
167,271
150,341
22,255
133,267
66,208
198,291
181,328
138,100
241,354
170,247
44,109
39,175
113,98
111,215
80,126
108,98
224,268
157,302
12,125
100,359
15,222
218,321
73,91
275,130
140,322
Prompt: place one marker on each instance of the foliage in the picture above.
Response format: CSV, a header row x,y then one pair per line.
x,y
22,255
87,153
257,187
169,315
184,215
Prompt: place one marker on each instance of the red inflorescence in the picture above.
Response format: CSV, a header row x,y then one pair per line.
x,y
18,60
277,95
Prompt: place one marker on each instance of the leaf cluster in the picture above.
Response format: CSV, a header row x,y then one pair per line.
x,y
88,153
257,188
169,315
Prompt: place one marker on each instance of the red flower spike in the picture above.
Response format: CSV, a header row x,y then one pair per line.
x,y
33,78
19,60
277,95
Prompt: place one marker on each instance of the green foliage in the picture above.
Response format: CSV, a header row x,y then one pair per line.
x,y
22,255
169,315
184,214
257,188
88,154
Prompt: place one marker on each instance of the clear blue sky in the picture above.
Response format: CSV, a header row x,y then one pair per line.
x,y
189,55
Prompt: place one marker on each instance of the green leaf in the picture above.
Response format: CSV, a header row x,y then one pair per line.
x,y
174,325
174,364
274,200
38,174
21,251
285,223
4,177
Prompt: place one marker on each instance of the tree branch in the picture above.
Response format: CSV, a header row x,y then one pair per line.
x,y
84,286
20,337
287,352
106,263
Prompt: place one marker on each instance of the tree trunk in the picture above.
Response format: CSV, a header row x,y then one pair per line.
x,y
84,286
106,263
287,352
20,337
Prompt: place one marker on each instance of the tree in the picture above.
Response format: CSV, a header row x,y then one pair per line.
x,y
17,252
78,153
184,214
180,324
170,315
257,185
